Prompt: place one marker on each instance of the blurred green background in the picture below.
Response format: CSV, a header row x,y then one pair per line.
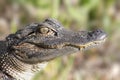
x,y
101,63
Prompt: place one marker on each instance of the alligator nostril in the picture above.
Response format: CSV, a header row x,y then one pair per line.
x,y
99,34
98,31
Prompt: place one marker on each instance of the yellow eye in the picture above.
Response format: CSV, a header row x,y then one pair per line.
x,y
44,30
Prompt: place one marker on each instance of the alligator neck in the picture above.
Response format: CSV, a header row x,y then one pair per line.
x,y
18,69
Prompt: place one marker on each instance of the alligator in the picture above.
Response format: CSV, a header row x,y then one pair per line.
x,y
26,52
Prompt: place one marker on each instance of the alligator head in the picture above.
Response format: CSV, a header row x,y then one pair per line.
x,y
41,42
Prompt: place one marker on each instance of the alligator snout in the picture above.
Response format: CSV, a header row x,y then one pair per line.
x,y
98,34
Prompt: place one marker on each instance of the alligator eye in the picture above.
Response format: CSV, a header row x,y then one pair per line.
x,y
44,30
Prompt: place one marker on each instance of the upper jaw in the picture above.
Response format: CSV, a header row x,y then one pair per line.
x,y
80,40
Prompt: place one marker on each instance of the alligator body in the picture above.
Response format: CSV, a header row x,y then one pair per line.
x,y
28,50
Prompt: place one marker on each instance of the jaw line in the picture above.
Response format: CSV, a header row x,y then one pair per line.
x,y
81,46
91,44
85,46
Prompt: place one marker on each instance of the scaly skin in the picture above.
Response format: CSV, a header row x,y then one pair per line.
x,y
28,50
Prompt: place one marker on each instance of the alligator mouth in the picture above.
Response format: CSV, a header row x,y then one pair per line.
x,y
80,47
